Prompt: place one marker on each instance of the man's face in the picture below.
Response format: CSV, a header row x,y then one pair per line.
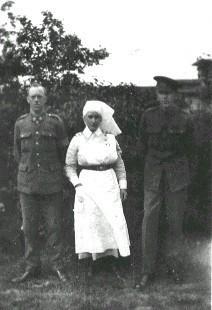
x,y
36,99
165,98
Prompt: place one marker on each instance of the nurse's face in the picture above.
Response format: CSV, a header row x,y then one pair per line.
x,y
93,120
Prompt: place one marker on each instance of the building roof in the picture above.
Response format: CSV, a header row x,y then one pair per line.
x,y
188,86
188,81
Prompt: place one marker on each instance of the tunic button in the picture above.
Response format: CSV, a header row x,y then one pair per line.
x,y
38,165
36,142
37,132
37,154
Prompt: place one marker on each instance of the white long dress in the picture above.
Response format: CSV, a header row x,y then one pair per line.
x,y
100,225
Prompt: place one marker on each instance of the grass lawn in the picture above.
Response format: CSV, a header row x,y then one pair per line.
x,y
104,290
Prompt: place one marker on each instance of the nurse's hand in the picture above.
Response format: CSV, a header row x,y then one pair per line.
x,y
80,192
123,194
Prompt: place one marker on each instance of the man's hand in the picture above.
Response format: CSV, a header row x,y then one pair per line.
x,y
123,194
2,207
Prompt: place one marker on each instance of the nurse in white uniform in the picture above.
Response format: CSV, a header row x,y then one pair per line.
x,y
101,186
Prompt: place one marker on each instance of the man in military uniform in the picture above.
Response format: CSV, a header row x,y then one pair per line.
x,y
201,188
40,144
164,136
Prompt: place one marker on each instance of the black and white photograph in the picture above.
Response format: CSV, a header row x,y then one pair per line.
x,y
105,154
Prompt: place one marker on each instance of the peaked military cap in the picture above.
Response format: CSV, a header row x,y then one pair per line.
x,y
165,83
202,63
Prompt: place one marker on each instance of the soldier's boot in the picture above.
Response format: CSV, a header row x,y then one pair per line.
x,y
145,280
27,275
175,271
176,275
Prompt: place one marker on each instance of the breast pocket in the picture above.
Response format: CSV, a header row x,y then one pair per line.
x,y
26,141
153,128
154,132
48,141
177,126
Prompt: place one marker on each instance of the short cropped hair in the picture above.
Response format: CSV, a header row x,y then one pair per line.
x,y
36,84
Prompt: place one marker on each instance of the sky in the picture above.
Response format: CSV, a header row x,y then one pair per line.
x,y
143,37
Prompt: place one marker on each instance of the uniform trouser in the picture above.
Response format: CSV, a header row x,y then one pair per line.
x,y
34,206
175,205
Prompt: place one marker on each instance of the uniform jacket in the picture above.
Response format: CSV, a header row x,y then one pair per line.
x,y
39,148
165,137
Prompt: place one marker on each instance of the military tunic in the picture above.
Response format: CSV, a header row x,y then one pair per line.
x,y
39,147
165,136
40,144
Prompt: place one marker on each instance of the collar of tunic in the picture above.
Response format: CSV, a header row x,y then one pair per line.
x,y
88,133
37,118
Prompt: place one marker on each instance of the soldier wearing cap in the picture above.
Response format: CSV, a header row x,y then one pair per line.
x,y
202,119
40,144
164,134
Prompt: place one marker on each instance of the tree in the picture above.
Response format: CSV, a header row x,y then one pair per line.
x,y
10,59
45,52
52,55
